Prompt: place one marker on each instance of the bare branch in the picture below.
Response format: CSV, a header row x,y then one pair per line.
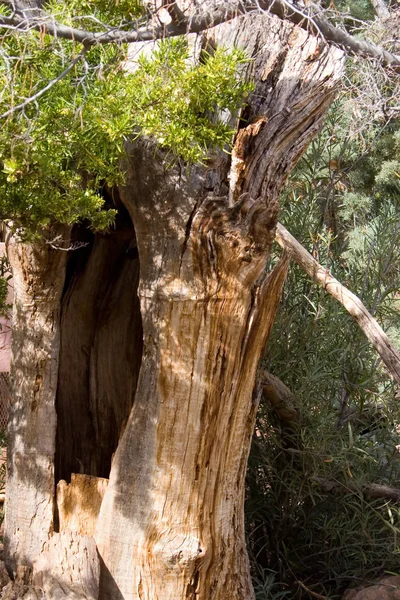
x,y
374,332
47,87
369,490
381,9
313,594
198,22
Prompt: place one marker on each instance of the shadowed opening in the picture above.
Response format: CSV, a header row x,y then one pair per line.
x,y
101,346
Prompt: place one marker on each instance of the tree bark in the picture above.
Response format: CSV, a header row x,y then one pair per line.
x,y
68,568
174,504
38,277
171,523
282,400
381,9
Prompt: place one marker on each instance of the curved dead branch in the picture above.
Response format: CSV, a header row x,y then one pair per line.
x,y
374,332
369,490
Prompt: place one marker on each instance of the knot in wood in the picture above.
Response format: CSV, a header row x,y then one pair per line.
x,y
234,241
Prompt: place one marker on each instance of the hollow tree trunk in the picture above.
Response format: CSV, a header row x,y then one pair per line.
x,y
101,340
171,523
38,272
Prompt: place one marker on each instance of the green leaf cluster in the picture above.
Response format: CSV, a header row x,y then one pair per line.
x,y
57,153
96,15
183,106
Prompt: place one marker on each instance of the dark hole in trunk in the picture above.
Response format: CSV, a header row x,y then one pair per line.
x,y
101,347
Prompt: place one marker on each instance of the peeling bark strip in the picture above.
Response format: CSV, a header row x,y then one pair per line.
x,y
374,332
38,273
79,502
171,524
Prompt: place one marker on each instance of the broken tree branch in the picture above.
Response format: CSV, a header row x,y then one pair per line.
x,y
374,332
282,400
197,22
369,490
381,9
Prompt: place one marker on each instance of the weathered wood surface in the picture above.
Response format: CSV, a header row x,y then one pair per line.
x,y
79,502
38,273
282,400
68,568
171,523
387,588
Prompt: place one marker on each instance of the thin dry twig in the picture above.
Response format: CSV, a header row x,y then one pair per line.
x,y
313,594
201,21
47,87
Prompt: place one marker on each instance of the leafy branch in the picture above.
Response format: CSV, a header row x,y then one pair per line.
x,y
197,21
47,87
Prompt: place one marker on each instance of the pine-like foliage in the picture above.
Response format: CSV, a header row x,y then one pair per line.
x,y
343,204
57,152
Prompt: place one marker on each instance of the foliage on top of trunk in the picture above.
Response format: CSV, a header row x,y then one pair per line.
x,y
55,157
